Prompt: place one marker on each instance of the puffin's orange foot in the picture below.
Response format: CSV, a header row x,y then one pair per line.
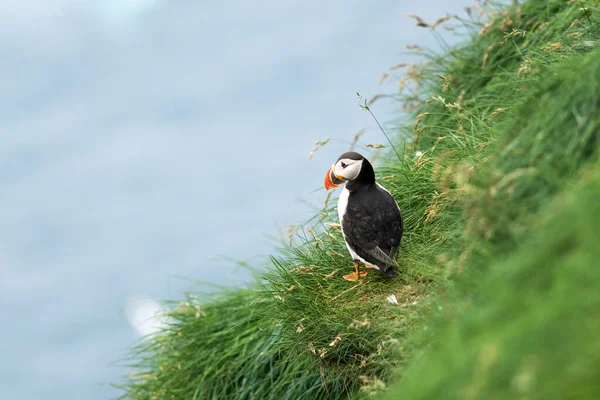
x,y
354,276
369,266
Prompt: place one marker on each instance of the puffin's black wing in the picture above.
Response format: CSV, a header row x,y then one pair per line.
x,y
373,226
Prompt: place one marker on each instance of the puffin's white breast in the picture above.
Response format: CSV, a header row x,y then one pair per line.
x,y
343,203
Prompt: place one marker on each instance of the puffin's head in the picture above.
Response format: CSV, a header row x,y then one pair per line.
x,y
346,168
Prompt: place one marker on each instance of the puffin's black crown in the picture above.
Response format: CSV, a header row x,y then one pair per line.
x,y
352,155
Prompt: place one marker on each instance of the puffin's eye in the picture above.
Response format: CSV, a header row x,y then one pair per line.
x,y
343,165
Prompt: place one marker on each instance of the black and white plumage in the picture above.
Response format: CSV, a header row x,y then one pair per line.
x,y
370,218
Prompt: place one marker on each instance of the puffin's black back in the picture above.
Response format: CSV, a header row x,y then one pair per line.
x,y
373,220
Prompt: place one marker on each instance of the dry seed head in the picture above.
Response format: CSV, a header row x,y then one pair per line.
x,y
326,201
414,74
337,339
552,47
494,115
375,98
542,26
314,235
506,22
357,135
480,7
420,21
414,47
486,28
375,145
513,33
420,162
440,21
290,232
398,66
256,301
525,67
574,34
410,106
382,79
303,269
318,145
575,22
401,85
299,329
432,210
416,138
486,55
374,157
331,274
461,96
437,98
418,120
446,83
360,324
334,226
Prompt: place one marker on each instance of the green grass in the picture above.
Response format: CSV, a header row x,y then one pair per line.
x,y
499,290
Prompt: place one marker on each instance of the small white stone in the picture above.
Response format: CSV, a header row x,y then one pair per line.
x,y
392,299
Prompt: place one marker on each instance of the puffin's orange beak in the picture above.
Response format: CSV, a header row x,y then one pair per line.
x,y
331,180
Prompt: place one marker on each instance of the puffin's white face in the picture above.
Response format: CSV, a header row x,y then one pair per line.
x,y
343,170
347,168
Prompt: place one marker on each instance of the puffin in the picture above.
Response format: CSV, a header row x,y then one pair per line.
x,y
370,219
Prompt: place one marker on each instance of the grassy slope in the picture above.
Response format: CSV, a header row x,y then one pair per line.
x,y
493,293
